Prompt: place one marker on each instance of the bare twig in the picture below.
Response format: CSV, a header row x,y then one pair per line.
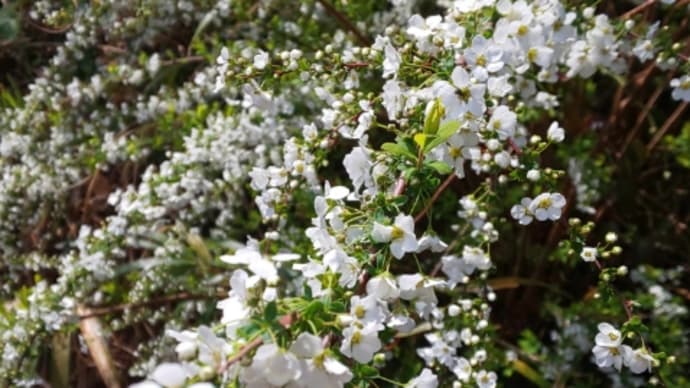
x,y
99,311
435,197
92,331
345,22
667,125
243,352
638,9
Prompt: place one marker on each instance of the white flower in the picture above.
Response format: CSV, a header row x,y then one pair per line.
x,y
391,61
555,133
547,206
639,360
368,311
533,175
261,60
392,98
170,375
321,370
608,335
588,254
606,356
400,235
358,167
681,88
426,379
486,379
521,211
383,287
431,242
272,366
503,121
360,343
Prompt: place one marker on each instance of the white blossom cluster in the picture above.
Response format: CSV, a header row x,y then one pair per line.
x,y
335,270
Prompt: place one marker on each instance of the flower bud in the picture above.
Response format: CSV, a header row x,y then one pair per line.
x,y
611,237
622,270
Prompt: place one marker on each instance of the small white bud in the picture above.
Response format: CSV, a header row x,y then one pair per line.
x,y
533,175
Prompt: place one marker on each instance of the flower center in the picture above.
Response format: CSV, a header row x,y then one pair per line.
x,y
454,152
522,30
397,233
545,204
356,338
359,311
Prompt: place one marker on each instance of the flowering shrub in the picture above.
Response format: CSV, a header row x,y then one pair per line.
x,y
344,193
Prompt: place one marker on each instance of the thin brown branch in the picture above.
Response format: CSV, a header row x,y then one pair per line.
x,y
285,321
92,331
345,23
640,120
243,352
638,9
667,125
99,311
435,197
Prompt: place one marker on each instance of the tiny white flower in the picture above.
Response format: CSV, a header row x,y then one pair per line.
x,y
681,88
170,375
608,335
360,343
503,121
521,211
555,133
589,254
547,206
400,235
607,356
383,287
426,379
639,360
486,379
261,60
391,61
533,175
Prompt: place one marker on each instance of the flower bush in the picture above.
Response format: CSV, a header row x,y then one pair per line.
x,y
344,193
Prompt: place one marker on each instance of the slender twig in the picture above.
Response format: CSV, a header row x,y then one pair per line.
x,y
667,125
638,9
435,197
640,120
345,22
243,352
99,311
285,321
92,330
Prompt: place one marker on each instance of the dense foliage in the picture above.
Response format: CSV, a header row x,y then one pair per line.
x,y
332,193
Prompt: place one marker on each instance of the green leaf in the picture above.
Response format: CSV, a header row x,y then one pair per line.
x,y
398,149
441,167
529,373
271,312
445,131
368,371
9,26
420,139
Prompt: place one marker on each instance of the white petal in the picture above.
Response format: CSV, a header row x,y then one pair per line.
x,y
381,233
170,375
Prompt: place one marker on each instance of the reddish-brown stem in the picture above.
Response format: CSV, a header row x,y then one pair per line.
x,y
434,197
667,125
345,22
638,9
255,343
